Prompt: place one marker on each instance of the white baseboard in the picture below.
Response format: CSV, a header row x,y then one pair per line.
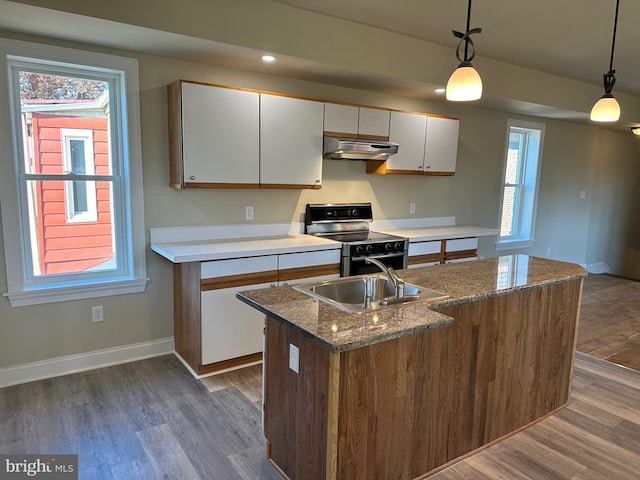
x,y
54,367
598,268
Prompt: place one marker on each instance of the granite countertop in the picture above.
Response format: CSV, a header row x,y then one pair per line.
x,y
338,331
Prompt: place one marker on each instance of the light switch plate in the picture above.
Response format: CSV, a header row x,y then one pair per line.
x,y
294,358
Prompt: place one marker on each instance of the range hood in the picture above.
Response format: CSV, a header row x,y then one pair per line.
x,y
350,149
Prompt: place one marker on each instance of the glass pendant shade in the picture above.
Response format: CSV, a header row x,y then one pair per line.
x,y
606,109
464,84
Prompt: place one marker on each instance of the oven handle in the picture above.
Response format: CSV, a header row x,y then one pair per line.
x,y
384,255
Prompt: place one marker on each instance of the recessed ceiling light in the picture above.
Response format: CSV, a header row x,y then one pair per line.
x,y
439,90
268,58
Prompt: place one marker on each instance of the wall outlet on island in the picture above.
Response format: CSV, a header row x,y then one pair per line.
x,y
248,213
412,208
294,358
548,251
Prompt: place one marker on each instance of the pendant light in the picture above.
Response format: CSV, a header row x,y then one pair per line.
x,y
465,84
607,108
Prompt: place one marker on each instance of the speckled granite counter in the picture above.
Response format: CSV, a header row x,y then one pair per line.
x,y
464,282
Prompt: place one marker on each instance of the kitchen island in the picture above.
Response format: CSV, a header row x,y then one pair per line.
x,y
406,390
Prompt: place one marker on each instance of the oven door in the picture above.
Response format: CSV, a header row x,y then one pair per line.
x,y
352,266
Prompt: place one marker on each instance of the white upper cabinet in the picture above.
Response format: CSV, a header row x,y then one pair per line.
x,y
220,140
407,130
356,122
340,120
373,123
427,145
222,137
290,142
441,145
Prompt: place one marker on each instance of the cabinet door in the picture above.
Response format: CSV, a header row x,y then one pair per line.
x,y
290,142
373,123
408,130
230,328
441,145
340,120
220,135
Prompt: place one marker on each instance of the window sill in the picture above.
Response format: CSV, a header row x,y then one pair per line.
x,y
76,292
510,245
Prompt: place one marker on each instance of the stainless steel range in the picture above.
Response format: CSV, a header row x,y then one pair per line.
x,y
348,223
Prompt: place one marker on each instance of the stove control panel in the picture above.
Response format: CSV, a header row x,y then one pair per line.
x,y
378,248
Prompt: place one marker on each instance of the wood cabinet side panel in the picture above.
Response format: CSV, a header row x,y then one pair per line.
x,y
186,312
297,405
176,158
410,405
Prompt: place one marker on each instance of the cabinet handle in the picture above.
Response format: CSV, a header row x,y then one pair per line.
x,y
419,167
273,284
428,166
192,177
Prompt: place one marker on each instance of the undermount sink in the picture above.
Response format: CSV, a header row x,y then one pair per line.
x,y
350,293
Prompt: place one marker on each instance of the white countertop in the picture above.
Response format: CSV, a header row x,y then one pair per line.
x,y
218,242
417,234
219,249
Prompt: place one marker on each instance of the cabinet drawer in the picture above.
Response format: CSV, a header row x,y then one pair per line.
x,y
297,266
425,248
239,266
305,259
458,244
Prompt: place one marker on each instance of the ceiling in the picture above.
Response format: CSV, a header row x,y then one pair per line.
x,y
570,38
564,38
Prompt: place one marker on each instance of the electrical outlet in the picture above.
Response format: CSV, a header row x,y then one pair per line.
x,y
294,358
583,194
548,251
248,213
412,208
97,314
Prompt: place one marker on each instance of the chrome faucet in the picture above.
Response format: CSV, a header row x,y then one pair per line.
x,y
397,282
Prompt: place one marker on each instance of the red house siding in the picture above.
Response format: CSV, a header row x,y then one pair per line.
x,y
69,246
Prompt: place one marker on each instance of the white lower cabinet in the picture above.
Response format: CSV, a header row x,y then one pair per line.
x,y
461,250
230,328
436,252
425,254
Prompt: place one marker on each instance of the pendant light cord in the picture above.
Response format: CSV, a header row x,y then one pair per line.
x,y
466,44
615,28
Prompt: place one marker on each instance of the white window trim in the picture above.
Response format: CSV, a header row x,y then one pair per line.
x,y
517,243
135,280
86,136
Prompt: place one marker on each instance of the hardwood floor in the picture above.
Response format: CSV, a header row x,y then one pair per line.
x,y
150,419
610,320
143,420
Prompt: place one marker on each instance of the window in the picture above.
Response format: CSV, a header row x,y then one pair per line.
x,y
77,158
72,199
519,197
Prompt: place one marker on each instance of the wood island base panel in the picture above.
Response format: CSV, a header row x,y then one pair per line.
x,y
407,406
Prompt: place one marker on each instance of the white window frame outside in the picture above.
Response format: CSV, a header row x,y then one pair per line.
x,y
525,211
86,136
129,274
